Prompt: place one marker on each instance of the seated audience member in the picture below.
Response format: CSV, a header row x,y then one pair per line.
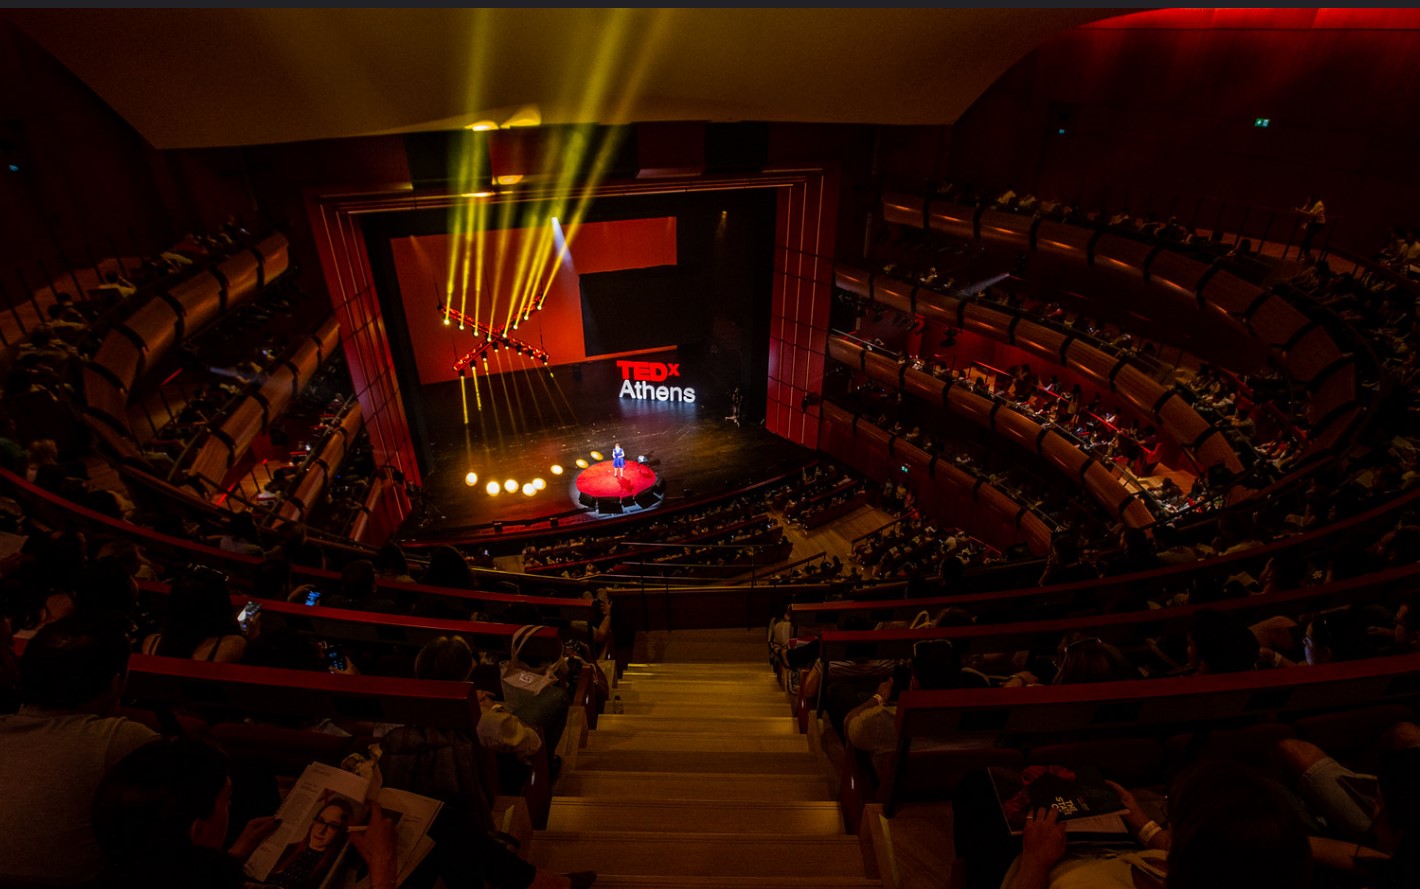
x,y
1230,828
1220,643
600,623
57,748
448,568
106,588
1402,635
272,580
391,564
201,623
859,677
1138,554
1064,565
1079,660
44,467
451,659
1089,660
359,589
1343,801
442,764
872,726
241,536
161,817
12,455
287,649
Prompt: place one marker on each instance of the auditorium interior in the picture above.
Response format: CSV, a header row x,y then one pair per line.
x,y
743,439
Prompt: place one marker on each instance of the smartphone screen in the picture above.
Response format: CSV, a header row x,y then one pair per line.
x,y
335,659
246,614
313,597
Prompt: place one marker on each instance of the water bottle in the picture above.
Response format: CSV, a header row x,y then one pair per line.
x,y
616,704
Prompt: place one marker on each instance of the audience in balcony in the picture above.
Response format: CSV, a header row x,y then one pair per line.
x,y
1064,565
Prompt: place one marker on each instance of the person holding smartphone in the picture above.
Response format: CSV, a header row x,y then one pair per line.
x,y
201,623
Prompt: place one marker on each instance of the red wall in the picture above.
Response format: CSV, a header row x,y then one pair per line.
x,y
798,322
1163,103
88,185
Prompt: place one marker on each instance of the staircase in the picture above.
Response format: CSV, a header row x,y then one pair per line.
x,y
702,782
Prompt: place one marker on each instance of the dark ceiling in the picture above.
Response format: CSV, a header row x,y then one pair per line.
x,y
198,78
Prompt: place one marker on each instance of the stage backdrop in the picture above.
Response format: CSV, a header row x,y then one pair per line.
x,y
613,294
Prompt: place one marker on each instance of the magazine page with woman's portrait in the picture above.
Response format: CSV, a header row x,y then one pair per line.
x,y
316,818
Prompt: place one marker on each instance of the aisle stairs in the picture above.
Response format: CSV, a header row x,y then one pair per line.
x,y
703,782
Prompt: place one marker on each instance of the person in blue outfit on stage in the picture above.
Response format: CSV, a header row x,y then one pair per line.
x,y
618,461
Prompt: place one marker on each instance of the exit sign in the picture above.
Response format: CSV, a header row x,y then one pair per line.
x,y
1262,122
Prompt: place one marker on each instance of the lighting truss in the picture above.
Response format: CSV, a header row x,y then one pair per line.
x,y
489,338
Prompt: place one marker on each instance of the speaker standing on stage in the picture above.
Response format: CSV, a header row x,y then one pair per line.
x,y
618,461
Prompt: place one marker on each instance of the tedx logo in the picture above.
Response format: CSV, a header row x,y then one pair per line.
x,y
651,371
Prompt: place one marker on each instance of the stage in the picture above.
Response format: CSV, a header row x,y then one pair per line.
x,y
530,421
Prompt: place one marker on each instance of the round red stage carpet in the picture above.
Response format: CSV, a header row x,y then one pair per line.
x,y
597,480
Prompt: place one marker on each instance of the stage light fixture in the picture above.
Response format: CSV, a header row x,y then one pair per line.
x,y
581,463
557,469
493,489
482,126
446,320
482,193
539,483
471,479
529,489
510,486
597,455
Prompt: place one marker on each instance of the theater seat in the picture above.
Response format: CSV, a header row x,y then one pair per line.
x,y
285,751
1355,732
1130,761
1251,745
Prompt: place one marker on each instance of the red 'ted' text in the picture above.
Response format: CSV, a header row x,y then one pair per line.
x,y
647,370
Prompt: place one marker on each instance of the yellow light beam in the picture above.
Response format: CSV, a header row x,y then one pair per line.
x,y
500,261
480,230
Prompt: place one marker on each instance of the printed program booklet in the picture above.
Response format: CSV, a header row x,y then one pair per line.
x,y
1088,808
309,850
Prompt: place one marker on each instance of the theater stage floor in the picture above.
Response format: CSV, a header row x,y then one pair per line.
x,y
527,424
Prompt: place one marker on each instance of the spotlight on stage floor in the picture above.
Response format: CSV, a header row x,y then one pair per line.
x,y
597,456
539,483
529,489
557,469
582,464
493,489
471,479
510,486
